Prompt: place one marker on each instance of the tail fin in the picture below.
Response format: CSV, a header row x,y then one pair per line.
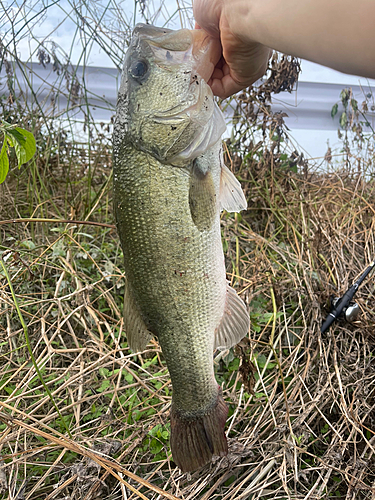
x,y
195,440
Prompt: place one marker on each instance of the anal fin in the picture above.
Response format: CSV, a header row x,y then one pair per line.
x,y
136,331
235,322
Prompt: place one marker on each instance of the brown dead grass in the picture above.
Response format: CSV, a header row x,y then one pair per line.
x,y
302,404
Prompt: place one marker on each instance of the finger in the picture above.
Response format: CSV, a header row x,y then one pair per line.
x,y
217,74
225,87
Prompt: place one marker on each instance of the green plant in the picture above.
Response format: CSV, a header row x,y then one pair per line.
x,y
23,143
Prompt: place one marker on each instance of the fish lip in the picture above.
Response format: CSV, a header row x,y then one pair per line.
x,y
149,30
168,39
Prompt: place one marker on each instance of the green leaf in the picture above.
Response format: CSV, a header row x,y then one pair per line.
x,y
30,245
344,96
30,144
324,429
104,386
58,249
343,120
10,140
155,446
4,161
16,135
334,110
259,394
234,365
261,360
354,104
23,142
104,372
154,431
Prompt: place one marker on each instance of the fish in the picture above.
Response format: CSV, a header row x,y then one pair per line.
x,y
170,185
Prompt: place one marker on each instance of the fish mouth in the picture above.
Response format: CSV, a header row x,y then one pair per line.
x,y
171,49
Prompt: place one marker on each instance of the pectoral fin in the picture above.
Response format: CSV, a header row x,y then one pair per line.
x,y
231,195
136,331
202,198
235,322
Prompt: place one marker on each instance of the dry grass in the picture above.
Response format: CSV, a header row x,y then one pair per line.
x,y
83,418
301,422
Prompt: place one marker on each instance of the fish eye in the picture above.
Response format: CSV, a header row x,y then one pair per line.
x,y
138,69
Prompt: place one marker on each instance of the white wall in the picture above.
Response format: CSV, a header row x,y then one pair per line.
x,y
308,106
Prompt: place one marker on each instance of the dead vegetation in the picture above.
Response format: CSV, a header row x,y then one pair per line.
x,y
84,418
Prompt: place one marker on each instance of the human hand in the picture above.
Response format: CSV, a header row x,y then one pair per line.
x,y
243,61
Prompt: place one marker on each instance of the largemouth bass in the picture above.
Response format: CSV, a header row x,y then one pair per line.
x,y
170,184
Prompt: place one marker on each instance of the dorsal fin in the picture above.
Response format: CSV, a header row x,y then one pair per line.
x,y
235,322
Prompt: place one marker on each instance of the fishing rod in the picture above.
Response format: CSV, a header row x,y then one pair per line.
x,y
343,306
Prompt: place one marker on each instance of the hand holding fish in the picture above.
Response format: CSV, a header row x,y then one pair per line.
x,y
337,34
243,61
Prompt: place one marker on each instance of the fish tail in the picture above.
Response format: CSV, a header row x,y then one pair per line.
x,y
194,440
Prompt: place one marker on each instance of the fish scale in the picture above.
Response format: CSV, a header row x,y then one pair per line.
x,y
172,268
